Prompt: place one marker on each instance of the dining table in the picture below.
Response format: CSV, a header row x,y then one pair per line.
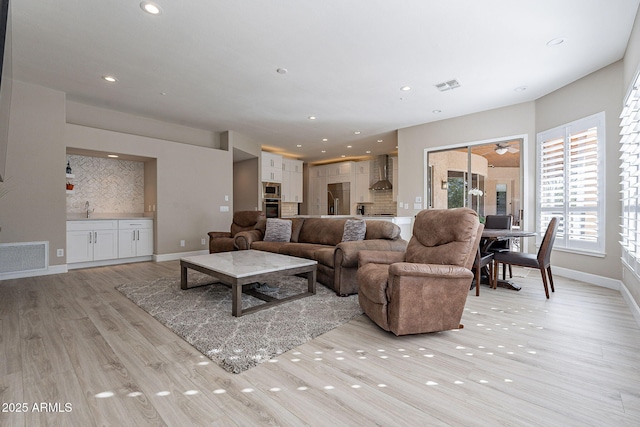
x,y
491,235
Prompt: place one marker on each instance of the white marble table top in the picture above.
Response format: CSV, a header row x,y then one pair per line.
x,y
247,263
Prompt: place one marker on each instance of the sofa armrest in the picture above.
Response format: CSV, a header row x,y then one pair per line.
x,y
379,257
244,239
346,254
216,234
439,271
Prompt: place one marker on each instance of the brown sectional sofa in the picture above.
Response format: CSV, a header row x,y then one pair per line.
x,y
320,239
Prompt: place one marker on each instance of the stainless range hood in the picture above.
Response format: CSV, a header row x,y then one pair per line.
x,y
383,182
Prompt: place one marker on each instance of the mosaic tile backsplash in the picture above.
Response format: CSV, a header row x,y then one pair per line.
x,y
109,185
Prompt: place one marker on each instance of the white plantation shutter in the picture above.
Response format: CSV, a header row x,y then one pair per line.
x,y
629,177
570,183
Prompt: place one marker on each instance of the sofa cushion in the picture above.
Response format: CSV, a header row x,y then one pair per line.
x,y
324,231
278,230
302,250
261,245
354,229
377,229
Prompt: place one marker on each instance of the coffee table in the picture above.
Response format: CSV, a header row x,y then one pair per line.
x,y
239,269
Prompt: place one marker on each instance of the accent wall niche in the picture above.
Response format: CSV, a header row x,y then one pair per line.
x,y
110,185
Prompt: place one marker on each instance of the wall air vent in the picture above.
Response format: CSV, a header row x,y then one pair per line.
x,y
23,257
448,85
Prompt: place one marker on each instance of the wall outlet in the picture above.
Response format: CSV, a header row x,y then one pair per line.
x,y
203,242
59,252
182,243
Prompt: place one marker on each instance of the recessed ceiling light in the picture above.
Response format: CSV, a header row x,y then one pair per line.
x,y
349,146
343,155
379,140
520,89
163,93
324,139
299,145
312,117
109,79
368,151
323,151
405,88
113,156
556,41
437,111
150,8
357,132
281,70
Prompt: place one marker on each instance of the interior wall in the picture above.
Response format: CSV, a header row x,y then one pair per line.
x,y
102,118
599,91
34,209
245,185
191,183
487,125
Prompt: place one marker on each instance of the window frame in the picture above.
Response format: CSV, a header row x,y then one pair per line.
x,y
577,239
630,178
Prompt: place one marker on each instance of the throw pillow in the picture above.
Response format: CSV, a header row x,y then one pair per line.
x,y
354,229
278,230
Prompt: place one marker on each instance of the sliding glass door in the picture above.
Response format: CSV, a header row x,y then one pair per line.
x,y
484,177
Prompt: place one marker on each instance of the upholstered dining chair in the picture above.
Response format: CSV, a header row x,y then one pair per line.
x,y
541,260
483,260
425,288
222,241
500,222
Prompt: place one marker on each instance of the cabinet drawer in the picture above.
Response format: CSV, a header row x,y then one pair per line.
x,y
135,224
89,225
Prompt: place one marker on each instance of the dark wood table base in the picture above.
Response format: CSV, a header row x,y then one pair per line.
x,y
243,285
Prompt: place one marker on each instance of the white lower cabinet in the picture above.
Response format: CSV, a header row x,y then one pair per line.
x,y
92,240
135,238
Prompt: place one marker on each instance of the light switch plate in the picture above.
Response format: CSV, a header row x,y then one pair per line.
x,y
418,199
224,208
417,206
59,252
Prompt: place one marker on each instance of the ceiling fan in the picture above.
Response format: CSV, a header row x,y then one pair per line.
x,y
503,148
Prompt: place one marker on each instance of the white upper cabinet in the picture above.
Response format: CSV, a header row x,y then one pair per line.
x,y
271,167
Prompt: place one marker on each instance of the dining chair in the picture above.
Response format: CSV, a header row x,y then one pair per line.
x,y
483,260
500,222
541,260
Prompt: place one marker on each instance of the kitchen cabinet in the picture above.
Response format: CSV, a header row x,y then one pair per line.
x,y
363,183
291,181
135,238
339,172
92,240
271,167
317,198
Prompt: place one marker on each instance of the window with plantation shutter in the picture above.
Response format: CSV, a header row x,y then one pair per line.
x,y
571,185
629,178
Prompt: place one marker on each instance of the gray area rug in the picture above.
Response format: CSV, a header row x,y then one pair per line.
x,y
202,317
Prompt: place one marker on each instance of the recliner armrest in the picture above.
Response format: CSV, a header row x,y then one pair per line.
x,y
379,257
216,234
429,270
244,239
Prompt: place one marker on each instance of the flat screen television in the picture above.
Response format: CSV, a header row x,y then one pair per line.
x,y
6,79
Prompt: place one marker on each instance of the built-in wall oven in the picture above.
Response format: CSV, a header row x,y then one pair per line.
x,y
271,199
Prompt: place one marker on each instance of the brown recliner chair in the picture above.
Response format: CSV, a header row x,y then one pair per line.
x,y
425,288
222,241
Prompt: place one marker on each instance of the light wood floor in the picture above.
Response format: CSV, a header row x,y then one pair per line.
x,y
521,360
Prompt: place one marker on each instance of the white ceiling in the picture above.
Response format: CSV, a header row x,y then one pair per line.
x,y
216,61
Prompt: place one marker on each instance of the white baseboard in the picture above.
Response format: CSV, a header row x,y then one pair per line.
x,y
52,269
604,282
178,255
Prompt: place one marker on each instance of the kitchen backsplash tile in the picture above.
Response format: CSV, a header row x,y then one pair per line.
x,y
109,185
